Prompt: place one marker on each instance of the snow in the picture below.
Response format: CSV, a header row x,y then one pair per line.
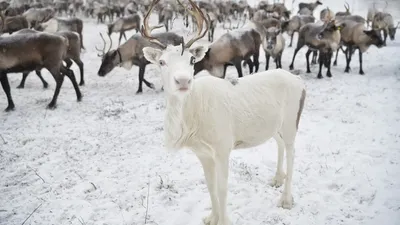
x,y
102,160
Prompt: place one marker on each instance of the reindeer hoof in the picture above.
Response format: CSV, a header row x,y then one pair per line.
x,y
81,83
52,106
20,87
10,108
319,76
361,72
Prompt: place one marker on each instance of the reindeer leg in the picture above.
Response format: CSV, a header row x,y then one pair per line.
x,y
385,34
256,61
123,33
80,65
314,57
251,64
55,72
361,72
68,63
291,67
238,66
141,77
70,74
335,62
321,63
308,60
224,74
120,38
24,76
39,74
291,40
348,58
6,87
266,61
329,59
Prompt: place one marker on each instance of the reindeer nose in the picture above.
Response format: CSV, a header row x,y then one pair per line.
x,y
183,82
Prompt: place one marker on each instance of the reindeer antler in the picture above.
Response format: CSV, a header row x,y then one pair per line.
x,y
200,19
104,46
347,6
146,29
195,12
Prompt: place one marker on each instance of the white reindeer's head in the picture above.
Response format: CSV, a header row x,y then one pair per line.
x,y
176,62
176,66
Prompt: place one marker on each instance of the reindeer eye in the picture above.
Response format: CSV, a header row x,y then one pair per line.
x,y
162,62
192,60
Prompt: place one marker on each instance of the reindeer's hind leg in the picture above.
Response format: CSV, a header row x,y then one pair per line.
x,y
256,61
6,87
360,58
141,77
39,74
55,72
291,40
123,33
314,57
279,178
288,135
328,59
322,58
238,66
24,76
337,53
120,38
80,65
68,63
308,60
348,54
70,74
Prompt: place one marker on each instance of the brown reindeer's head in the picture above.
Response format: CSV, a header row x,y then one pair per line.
x,y
375,38
392,31
110,59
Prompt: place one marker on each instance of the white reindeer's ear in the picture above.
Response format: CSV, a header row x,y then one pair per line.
x,y
152,54
198,52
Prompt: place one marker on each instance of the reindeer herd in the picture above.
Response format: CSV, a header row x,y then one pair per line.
x,y
48,34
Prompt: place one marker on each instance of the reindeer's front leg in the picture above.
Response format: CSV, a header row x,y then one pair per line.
x,y
222,170
210,174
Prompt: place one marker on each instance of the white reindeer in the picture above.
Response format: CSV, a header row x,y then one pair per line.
x,y
212,116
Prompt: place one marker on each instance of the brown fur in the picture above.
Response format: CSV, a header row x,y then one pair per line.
x,y
25,52
131,53
14,23
328,42
73,53
231,50
123,24
70,24
354,36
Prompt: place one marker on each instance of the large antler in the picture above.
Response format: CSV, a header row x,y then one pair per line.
x,y
104,46
200,19
146,29
347,6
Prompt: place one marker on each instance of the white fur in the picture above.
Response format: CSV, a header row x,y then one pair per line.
x,y
213,117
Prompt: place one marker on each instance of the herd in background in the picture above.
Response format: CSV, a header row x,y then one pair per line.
x,y
48,34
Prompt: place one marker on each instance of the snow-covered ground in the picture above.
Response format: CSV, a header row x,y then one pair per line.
x,y
102,161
